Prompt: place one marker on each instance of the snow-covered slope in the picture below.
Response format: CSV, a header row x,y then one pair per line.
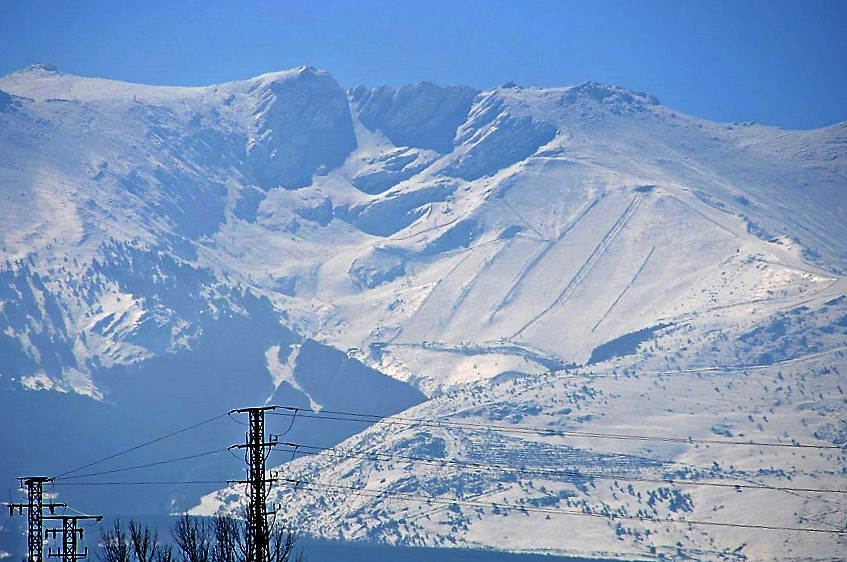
x,y
465,243
580,494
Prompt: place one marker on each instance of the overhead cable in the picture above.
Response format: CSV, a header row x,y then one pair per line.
x,y
545,432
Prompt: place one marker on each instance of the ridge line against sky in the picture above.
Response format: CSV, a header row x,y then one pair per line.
x,y
777,62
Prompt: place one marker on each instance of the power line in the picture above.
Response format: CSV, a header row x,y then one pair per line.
x,y
136,447
136,467
293,413
294,447
149,483
407,421
78,512
372,492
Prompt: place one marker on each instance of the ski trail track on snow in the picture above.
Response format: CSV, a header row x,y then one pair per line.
x,y
587,265
474,279
429,297
625,289
518,280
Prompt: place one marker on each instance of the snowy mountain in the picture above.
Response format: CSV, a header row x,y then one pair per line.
x,y
577,258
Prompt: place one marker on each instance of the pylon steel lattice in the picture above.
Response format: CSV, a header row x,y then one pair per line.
x,y
35,518
258,531
71,534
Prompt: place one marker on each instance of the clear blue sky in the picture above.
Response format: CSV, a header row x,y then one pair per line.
x,y
774,61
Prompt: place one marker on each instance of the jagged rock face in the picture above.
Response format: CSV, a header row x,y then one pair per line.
x,y
497,138
420,116
302,127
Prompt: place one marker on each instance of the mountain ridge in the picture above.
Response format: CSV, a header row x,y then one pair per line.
x,y
402,187
442,244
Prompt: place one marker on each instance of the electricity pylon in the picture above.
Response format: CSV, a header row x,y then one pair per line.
x,y
258,531
71,534
35,518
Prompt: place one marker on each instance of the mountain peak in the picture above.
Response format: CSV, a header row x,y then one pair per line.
x,y
41,68
309,69
600,92
300,72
